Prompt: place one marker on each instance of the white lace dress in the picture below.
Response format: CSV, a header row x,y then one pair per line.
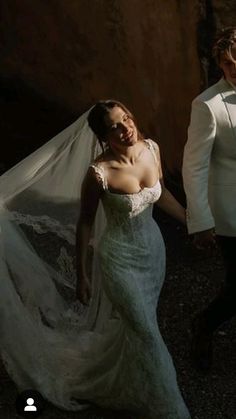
x,y
132,259
116,359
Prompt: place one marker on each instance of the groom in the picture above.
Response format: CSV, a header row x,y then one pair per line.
x,y
209,175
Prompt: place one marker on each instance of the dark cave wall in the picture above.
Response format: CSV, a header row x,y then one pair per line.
x,y
58,58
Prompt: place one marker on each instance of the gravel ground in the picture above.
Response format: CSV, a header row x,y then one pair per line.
x,y
193,278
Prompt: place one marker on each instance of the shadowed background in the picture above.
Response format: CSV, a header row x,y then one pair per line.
x,y
60,57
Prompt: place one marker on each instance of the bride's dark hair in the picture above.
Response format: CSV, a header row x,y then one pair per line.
x,y
96,118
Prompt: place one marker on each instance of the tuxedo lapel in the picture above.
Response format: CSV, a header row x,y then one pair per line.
x,y
228,94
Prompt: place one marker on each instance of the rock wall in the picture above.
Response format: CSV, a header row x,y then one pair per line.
x,y
73,53
224,12
58,58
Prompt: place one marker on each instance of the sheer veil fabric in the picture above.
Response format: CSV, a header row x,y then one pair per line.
x,y
47,338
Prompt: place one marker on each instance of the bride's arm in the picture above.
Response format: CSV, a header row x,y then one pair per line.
x,y
90,195
167,201
170,205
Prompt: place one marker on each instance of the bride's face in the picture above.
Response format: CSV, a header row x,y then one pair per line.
x,y
121,129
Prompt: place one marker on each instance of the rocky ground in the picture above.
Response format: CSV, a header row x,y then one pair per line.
x,y
193,277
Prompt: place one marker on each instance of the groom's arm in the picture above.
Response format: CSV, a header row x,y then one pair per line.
x,y
196,161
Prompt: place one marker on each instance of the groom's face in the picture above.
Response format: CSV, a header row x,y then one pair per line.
x,y
228,66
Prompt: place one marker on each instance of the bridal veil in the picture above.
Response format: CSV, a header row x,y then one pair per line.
x,y
47,338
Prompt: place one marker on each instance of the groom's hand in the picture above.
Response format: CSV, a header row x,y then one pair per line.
x,y
205,239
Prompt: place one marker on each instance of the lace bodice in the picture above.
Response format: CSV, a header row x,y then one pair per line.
x,y
122,206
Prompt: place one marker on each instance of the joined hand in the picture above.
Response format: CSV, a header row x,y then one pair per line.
x,y
205,239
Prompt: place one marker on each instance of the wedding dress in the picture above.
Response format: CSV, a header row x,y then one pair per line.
x,y
110,353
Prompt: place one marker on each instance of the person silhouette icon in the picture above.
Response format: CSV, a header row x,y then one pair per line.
x,y
30,405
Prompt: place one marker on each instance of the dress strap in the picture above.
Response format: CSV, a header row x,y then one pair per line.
x,y
99,170
153,147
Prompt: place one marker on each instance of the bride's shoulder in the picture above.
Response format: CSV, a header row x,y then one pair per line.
x,y
102,160
97,169
154,147
152,143
99,159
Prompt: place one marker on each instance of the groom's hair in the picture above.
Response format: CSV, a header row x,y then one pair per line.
x,y
224,41
96,117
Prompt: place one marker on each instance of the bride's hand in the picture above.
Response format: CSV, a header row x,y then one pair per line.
x,y
83,290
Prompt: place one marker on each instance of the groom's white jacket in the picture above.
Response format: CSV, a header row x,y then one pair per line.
x,y
209,164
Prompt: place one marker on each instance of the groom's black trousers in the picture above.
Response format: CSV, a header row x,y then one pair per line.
x,y
223,307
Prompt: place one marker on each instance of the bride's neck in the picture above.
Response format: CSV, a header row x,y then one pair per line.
x,y
128,155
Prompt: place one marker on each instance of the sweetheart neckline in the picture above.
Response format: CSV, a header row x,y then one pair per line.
x,y
134,193
150,147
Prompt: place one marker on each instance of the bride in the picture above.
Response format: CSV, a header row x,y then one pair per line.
x,y
106,347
